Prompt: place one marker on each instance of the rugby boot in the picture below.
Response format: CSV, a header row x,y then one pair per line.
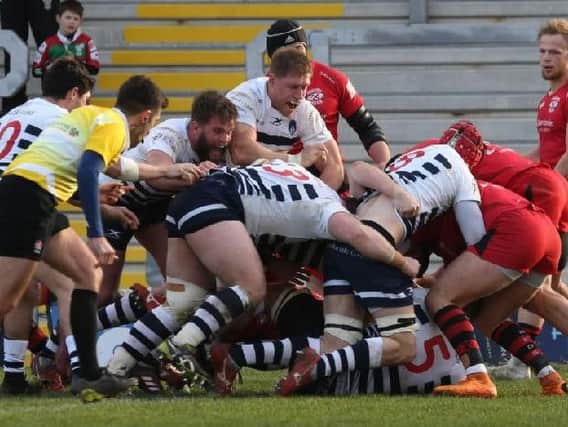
x,y
46,372
16,384
226,370
473,385
300,374
148,378
185,360
107,385
553,385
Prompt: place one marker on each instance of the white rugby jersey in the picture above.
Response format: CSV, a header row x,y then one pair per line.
x,y
20,127
273,130
436,363
169,137
280,181
437,176
284,199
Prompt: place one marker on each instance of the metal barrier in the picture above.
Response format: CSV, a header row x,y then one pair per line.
x,y
18,52
417,11
322,41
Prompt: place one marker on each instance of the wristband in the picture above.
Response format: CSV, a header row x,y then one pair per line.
x,y
128,169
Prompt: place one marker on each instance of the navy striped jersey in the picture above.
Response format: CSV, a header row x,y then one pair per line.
x,y
437,176
280,181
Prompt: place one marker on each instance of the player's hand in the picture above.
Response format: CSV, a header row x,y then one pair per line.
x,y
312,154
111,192
406,204
103,250
127,218
411,267
185,171
426,281
206,166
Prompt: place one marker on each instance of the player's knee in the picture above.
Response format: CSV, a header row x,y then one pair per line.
x,y
6,305
407,350
435,300
88,277
401,329
183,297
345,328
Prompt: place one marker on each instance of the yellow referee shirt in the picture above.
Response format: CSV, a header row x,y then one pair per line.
x,y
53,159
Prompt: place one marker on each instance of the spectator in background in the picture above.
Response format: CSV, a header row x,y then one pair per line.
x,y
331,92
551,124
18,16
69,40
552,111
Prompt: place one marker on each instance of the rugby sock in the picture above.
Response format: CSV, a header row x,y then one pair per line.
x,y
458,329
14,355
520,344
532,331
127,309
214,313
363,355
50,349
84,327
271,354
149,332
73,355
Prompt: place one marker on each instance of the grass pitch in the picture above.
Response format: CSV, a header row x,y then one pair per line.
x,y
519,404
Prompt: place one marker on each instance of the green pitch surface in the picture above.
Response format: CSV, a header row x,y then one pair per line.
x,y
519,404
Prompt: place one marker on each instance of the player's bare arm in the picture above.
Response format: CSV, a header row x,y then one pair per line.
x,y
364,176
245,149
160,159
131,170
120,213
331,166
380,152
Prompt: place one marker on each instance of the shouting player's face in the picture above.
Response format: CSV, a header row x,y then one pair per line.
x,y
553,50
210,140
288,91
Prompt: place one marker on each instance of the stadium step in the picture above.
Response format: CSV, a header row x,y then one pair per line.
x,y
173,57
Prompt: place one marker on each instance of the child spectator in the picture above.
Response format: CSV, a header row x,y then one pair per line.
x,y
69,40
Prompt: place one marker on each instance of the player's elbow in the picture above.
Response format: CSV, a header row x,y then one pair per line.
x,y
241,155
404,350
334,175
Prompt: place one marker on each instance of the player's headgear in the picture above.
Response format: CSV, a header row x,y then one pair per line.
x,y
466,139
283,33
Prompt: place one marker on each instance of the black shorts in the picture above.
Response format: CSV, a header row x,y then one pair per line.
x,y
375,284
119,236
27,218
207,202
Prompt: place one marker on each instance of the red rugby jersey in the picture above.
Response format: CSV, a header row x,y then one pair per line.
x,y
332,94
551,119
